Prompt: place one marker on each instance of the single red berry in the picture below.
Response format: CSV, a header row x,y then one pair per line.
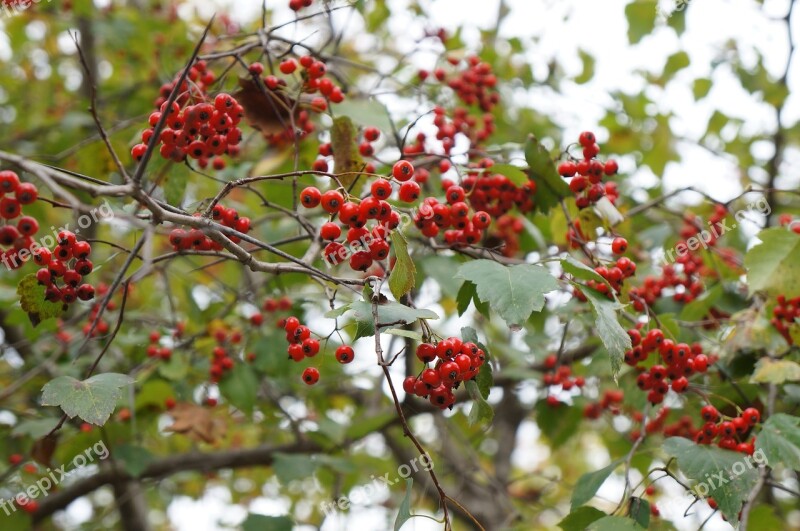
x,y
402,170
709,413
409,191
426,352
332,201
330,231
10,208
751,416
567,168
587,138
611,167
27,226
381,189
26,193
372,133
8,182
345,354
139,150
288,66
311,375
619,245
256,69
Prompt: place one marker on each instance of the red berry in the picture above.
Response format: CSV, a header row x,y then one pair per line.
x,y
332,201
311,375
256,69
310,347
8,182
751,416
288,66
330,231
139,150
709,413
402,170
345,354
371,134
310,197
27,226
567,169
611,167
381,189
587,138
26,193
619,245
9,208
409,191
426,352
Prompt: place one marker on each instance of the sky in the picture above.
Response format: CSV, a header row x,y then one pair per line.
x,y
564,27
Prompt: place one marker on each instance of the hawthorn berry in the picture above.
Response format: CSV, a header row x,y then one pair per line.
x,y
619,245
311,375
332,201
402,170
345,354
409,191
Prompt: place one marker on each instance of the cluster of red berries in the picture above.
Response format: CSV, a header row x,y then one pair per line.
x,y
221,360
559,375
465,226
63,268
681,361
154,350
611,401
102,326
197,126
312,73
587,174
301,346
297,5
456,362
495,193
271,306
731,434
183,240
367,244
14,194
622,269
784,314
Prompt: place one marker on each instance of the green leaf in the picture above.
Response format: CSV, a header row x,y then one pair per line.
x,y
91,400
588,67
580,518
701,88
614,523
240,387
411,334
260,522
514,173
390,315
779,440
724,475
641,15
676,62
514,292
290,467
404,272
588,484
772,265
404,513
175,187
614,337
31,298
763,517
550,187
153,393
579,270
558,424
777,372
134,459
35,429
465,296
699,308
481,410
639,510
